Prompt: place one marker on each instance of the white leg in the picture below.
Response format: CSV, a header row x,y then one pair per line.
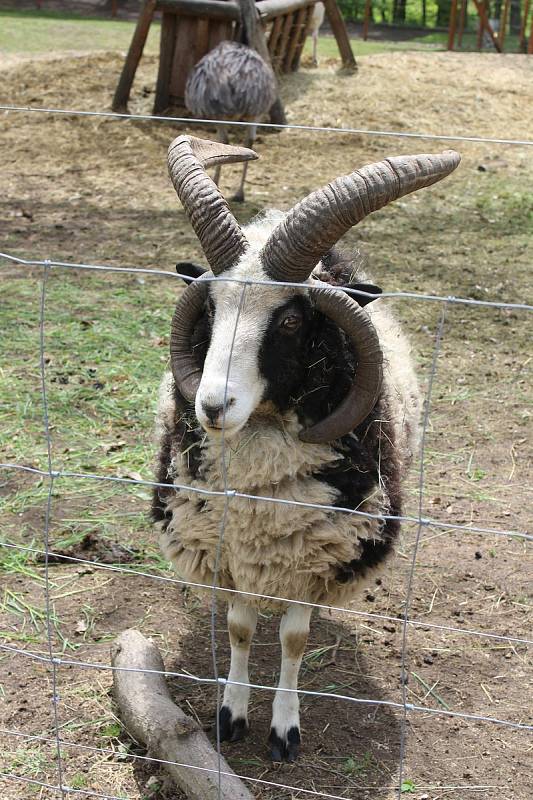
x,y
285,728
233,716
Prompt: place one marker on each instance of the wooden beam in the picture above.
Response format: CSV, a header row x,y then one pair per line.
x,y
299,21
485,24
255,37
304,33
462,22
366,22
523,25
338,27
504,15
453,24
216,9
122,93
167,45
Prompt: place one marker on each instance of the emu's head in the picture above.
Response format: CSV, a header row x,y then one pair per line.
x,y
258,331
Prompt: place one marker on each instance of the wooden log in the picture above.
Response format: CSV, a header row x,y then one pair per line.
x,y
453,24
214,9
271,9
294,40
366,22
151,717
166,58
122,93
184,57
341,34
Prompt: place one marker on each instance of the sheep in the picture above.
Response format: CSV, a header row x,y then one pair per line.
x,y
318,403
231,82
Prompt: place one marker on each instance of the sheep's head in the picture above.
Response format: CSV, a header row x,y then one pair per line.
x,y
228,391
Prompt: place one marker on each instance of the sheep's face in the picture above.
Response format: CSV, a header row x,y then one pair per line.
x,y
265,333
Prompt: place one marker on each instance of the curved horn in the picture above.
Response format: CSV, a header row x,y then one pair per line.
x,y
219,233
317,222
185,370
363,393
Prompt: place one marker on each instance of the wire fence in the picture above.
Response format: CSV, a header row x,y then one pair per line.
x,y
55,661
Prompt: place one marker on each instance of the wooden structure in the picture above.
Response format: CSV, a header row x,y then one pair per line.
x,y
485,26
190,28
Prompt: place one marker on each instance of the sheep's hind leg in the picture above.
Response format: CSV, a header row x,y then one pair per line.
x,y
285,727
233,716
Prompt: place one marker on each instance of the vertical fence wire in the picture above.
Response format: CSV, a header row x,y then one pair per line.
x,y
47,517
220,542
412,567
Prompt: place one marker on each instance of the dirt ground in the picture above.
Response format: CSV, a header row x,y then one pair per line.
x,y
95,190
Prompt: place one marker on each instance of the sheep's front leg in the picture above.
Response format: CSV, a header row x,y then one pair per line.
x,y
285,728
233,716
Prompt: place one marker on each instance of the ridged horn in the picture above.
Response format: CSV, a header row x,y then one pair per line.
x,y
185,370
362,395
219,233
315,224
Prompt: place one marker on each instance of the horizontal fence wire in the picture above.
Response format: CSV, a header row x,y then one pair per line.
x,y
275,126
228,494
361,701
372,615
256,282
135,756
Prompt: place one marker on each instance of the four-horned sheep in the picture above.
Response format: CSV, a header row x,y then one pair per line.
x,y
284,386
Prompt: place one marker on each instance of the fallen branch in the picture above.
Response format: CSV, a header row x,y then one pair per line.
x,y
151,717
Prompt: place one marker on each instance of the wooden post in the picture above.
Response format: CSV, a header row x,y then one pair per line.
x,y
341,34
522,35
462,22
255,37
299,20
453,23
485,24
530,44
366,22
166,58
122,94
503,23
114,8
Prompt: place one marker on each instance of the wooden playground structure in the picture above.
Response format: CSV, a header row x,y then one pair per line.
x,y
277,29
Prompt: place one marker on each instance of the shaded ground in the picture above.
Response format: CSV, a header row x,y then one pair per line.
x,y
96,191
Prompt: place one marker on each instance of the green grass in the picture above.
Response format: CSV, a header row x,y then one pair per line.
x,y
27,32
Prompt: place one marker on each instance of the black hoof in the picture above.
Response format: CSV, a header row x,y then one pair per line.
x,y
231,730
286,749
238,197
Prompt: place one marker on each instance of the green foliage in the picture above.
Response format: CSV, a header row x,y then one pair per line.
x,y
407,787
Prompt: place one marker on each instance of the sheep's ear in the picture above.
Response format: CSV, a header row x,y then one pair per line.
x,y
362,299
190,270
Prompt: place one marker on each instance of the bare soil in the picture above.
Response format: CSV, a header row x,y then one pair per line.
x,y
95,190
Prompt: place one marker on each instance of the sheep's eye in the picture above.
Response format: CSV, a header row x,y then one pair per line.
x,y
291,323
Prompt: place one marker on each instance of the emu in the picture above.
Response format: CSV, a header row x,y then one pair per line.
x,y
231,82
306,393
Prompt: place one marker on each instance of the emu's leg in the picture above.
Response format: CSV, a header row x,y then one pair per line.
x,y
222,137
251,131
285,727
315,46
233,716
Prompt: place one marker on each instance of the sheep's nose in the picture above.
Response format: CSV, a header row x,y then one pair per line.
x,y
213,412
